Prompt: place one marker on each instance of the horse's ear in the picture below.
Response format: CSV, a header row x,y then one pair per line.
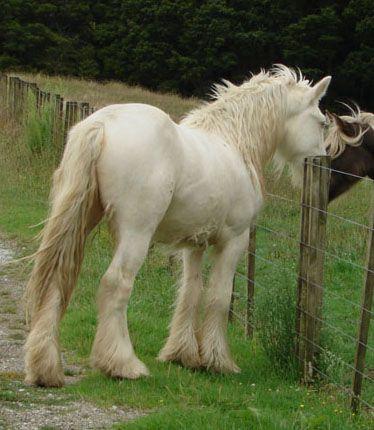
x,y
345,127
320,88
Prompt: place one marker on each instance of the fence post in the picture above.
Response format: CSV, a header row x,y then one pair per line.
x,y
84,108
11,95
16,96
363,331
312,244
4,90
58,105
7,85
231,309
251,260
71,116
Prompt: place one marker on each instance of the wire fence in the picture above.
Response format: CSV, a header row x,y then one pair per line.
x,y
323,286
330,331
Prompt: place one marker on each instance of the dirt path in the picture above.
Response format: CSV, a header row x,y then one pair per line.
x,y
23,407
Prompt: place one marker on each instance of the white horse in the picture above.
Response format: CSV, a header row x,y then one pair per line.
x,y
192,184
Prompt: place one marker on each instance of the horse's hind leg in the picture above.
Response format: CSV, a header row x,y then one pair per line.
x,y
112,351
214,349
182,345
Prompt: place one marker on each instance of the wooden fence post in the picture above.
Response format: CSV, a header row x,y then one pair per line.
x,y
7,84
71,116
17,96
231,309
251,261
42,99
84,109
363,331
312,244
11,94
24,89
3,90
58,107
33,88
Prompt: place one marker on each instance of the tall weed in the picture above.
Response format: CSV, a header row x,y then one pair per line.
x,y
275,325
38,126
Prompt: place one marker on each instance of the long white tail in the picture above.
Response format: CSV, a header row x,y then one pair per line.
x,y
58,260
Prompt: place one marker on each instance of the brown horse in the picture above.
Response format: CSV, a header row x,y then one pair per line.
x,y
350,142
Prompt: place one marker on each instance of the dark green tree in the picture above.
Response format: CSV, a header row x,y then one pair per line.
x,y
186,45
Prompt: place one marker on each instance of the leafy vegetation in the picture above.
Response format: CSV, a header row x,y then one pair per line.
x,y
184,46
38,127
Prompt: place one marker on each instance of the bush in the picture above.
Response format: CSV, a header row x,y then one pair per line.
x,y
275,325
38,126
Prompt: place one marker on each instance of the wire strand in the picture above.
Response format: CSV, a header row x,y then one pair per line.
x,y
340,171
332,214
297,276
331,254
327,324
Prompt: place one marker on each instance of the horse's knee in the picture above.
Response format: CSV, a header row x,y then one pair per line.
x,y
116,288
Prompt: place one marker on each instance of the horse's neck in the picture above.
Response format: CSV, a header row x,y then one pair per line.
x,y
255,141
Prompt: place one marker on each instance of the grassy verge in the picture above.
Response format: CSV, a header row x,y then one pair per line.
x,y
265,395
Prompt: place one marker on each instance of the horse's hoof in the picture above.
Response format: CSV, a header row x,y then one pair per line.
x,y
190,360
219,364
50,381
133,369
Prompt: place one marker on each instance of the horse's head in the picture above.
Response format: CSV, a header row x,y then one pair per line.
x,y
346,130
303,127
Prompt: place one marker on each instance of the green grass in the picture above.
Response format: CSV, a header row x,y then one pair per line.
x,y
266,394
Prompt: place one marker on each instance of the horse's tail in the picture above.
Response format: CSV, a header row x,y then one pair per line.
x,y
74,199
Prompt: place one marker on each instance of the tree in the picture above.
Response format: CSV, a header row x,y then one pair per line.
x,y
184,46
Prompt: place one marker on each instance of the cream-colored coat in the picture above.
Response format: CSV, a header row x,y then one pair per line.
x,y
191,185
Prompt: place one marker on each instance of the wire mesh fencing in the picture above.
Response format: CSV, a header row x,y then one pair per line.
x,y
305,288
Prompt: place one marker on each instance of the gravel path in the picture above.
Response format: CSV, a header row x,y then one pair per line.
x,y
23,407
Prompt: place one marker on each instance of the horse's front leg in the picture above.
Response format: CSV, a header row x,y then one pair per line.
x,y
214,349
182,345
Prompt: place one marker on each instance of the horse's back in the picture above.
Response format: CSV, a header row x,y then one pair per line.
x,y
137,136
136,167
187,180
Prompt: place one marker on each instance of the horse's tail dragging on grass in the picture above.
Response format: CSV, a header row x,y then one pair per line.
x,y
74,199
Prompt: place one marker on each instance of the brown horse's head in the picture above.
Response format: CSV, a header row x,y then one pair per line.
x,y
350,142
347,130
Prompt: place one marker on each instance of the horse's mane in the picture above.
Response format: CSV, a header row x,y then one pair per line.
x,y
248,115
337,140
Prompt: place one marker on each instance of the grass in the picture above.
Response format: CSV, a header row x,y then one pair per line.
x,y
266,395
102,94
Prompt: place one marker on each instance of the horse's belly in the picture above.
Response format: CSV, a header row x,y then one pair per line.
x,y
189,225
208,221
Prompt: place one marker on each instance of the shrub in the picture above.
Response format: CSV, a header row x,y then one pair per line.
x,y
38,126
275,325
